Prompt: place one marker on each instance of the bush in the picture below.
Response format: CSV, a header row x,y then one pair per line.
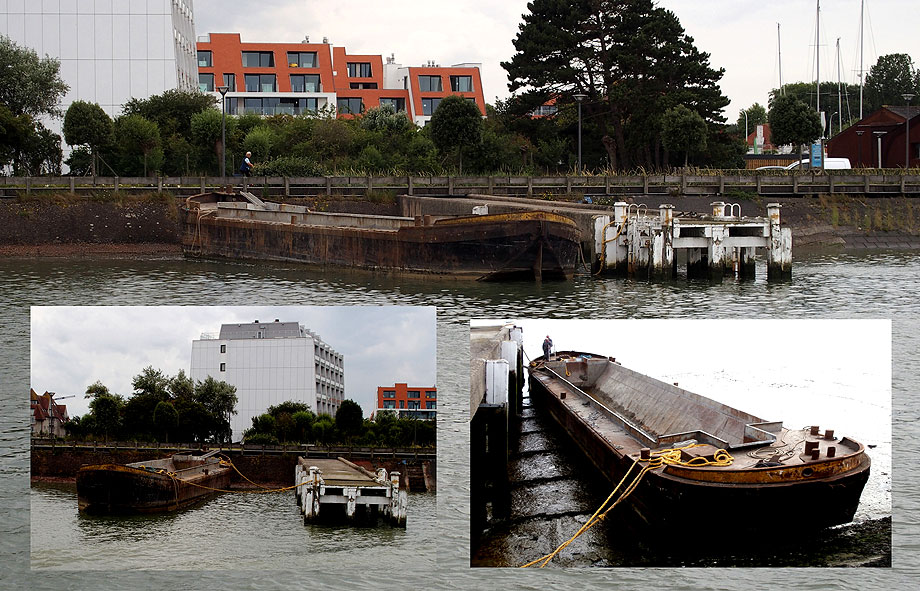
x,y
288,166
260,439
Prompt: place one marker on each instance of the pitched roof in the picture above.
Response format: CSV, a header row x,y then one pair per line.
x,y
903,112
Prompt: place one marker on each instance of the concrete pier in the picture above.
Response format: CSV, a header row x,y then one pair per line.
x,y
637,243
338,490
496,390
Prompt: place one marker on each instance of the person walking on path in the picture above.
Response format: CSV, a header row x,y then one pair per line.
x,y
246,166
547,348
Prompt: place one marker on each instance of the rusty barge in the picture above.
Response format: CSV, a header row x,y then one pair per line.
x,y
152,486
779,480
525,245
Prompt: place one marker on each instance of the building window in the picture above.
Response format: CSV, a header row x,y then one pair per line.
x,y
230,81
544,111
363,85
389,404
206,82
204,59
430,105
359,70
302,59
431,405
429,83
461,83
258,59
413,394
349,105
223,367
305,83
398,103
260,83
389,393
223,348
431,393
402,404
413,405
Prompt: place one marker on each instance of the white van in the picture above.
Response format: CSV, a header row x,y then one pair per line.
x,y
829,164
805,163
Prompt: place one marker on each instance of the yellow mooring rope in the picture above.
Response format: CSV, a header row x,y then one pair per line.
x,y
657,459
223,462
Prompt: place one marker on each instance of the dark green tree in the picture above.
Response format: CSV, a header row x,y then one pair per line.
x,y
165,418
847,95
29,85
793,122
349,419
138,147
86,124
456,124
385,118
97,389
891,76
683,130
181,387
106,412
324,429
220,399
207,134
172,111
756,115
303,425
632,59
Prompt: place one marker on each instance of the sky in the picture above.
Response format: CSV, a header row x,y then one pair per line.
x,y
72,347
740,35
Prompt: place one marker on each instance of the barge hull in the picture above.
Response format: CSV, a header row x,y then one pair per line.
x,y
118,489
664,505
537,245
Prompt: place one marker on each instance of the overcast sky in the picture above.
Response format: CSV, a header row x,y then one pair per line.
x,y
740,35
72,347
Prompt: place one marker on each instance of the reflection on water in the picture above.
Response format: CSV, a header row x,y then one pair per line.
x,y
881,285
259,531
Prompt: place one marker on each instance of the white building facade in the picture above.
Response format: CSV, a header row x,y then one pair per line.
x,y
110,50
270,363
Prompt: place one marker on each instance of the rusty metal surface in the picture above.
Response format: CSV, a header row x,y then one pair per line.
x,y
734,489
116,488
491,247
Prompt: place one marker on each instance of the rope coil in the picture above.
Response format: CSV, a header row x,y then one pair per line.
x,y
657,459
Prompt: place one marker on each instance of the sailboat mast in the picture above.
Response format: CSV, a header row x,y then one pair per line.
x,y
862,13
839,92
779,52
818,58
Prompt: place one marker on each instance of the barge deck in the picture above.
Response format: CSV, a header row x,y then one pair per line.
x,y
619,417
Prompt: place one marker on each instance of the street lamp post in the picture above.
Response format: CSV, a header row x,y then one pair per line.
x,y
907,96
859,147
745,130
223,130
879,135
579,97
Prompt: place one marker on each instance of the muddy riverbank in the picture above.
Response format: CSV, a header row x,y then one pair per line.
x,y
147,225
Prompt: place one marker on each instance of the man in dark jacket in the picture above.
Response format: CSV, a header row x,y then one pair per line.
x,y
547,347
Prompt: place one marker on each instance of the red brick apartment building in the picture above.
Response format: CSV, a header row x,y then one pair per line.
x,y
295,78
408,401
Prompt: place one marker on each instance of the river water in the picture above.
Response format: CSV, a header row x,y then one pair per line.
x,y
877,285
